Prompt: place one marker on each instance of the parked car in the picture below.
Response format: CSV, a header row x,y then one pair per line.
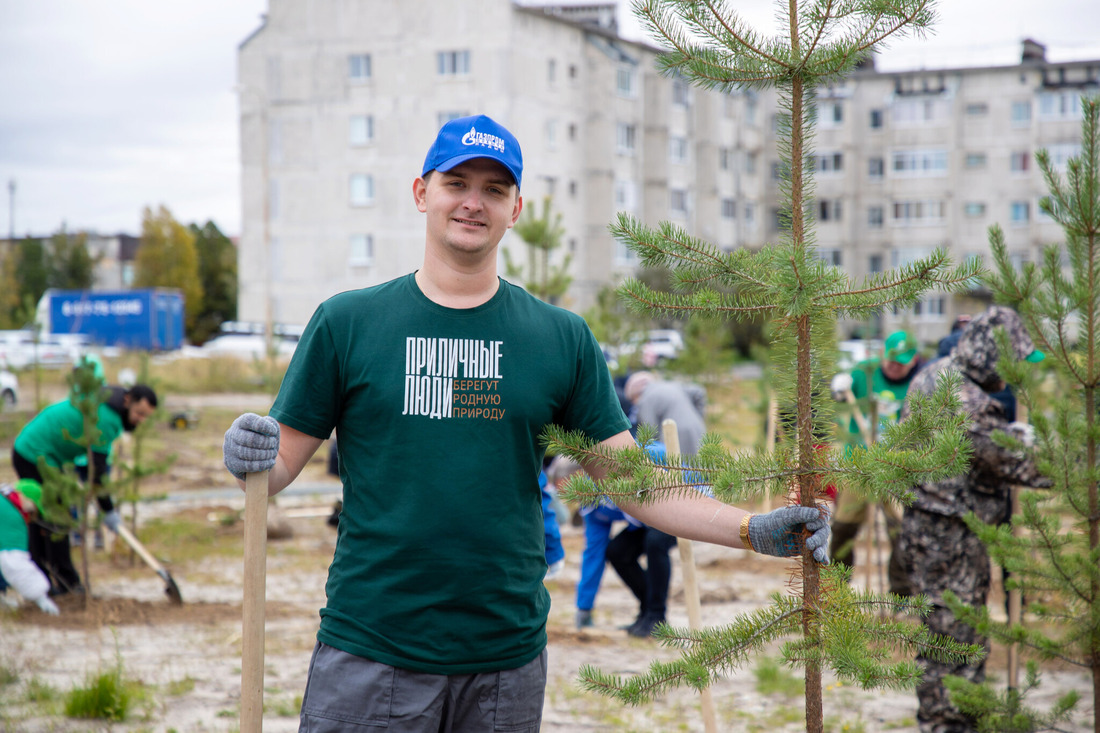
x,y
245,346
20,349
656,345
9,389
853,351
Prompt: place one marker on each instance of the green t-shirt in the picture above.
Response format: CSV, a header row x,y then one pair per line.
x,y
13,528
440,553
45,434
889,397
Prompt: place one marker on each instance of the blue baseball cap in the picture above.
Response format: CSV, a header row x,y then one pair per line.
x,y
466,138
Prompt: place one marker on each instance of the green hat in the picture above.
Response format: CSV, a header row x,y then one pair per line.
x,y
900,347
31,489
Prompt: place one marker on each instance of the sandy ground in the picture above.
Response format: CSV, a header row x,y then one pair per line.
x,y
188,656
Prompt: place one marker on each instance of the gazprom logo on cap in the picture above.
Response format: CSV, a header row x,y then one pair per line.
x,y
484,139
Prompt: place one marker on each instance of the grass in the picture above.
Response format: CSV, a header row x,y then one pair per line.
x,y
104,696
773,679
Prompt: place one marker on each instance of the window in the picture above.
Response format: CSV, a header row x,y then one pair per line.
x,y
1063,105
551,72
750,109
625,81
913,163
829,163
874,264
876,119
724,155
1020,212
974,209
681,93
361,250
729,209
359,66
750,214
975,161
750,162
1018,162
918,110
678,201
624,256
446,116
361,130
1021,113
625,138
551,134
626,197
908,213
828,210
903,256
875,167
780,171
930,308
831,114
874,217
830,256
452,63
361,189
780,221
976,109
678,149
1060,153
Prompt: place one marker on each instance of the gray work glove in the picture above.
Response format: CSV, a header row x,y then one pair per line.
x,y
111,520
779,532
48,606
251,444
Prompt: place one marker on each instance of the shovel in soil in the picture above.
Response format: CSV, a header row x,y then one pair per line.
x,y
171,589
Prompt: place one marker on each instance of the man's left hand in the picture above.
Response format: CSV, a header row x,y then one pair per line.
x,y
779,532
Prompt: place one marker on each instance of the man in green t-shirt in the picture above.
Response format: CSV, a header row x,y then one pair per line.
x,y
439,384
44,438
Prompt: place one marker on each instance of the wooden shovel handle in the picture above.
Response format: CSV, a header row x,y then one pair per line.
x,y
691,585
255,579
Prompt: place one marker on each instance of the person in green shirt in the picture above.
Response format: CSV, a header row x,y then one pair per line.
x,y
44,438
439,385
877,387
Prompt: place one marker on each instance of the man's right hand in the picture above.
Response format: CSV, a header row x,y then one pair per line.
x,y
251,444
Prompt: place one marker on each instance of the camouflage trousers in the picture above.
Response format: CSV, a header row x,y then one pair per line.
x,y
940,553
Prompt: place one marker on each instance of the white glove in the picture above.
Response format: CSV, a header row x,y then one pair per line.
x,y
1023,432
112,520
841,384
251,444
48,606
554,570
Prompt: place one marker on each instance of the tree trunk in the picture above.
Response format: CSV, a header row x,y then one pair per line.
x,y
807,451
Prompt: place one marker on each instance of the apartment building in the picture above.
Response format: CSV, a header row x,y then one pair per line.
x,y
340,99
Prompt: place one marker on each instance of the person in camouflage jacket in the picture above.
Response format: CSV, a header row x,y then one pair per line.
x,y
937,549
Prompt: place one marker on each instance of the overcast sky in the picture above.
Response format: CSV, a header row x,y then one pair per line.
x,y
110,106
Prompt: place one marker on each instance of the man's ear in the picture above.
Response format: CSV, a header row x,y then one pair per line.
x,y
515,211
420,189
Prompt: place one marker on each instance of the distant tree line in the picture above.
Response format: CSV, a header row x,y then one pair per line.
x,y
198,260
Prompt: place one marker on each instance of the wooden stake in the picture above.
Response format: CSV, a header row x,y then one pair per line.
x,y
691,585
770,437
255,580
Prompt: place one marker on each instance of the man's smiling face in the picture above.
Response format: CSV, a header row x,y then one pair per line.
x,y
469,207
